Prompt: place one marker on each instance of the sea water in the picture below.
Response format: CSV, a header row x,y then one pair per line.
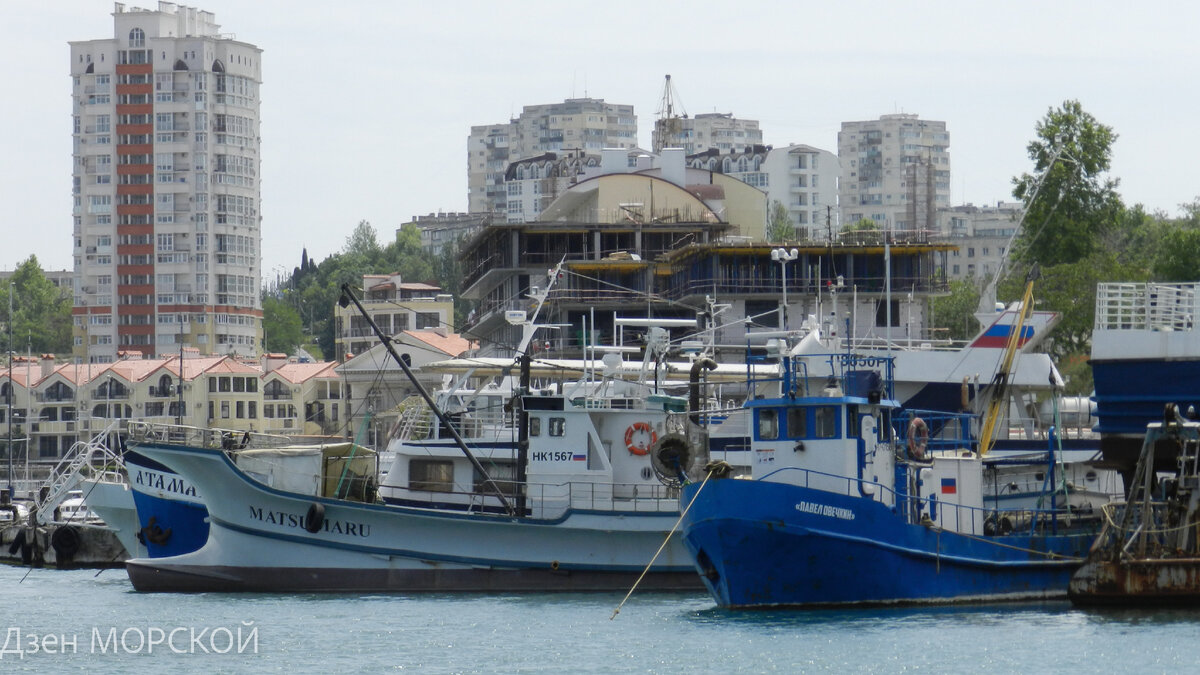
x,y
77,620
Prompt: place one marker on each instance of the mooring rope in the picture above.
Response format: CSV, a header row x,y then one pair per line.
x,y
664,544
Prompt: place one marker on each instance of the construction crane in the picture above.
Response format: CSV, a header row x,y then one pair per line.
x,y
999,386
669,124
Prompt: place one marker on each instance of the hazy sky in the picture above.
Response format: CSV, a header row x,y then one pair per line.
x,y
367,105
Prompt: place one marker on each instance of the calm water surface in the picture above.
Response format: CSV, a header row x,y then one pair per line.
x,y
557,633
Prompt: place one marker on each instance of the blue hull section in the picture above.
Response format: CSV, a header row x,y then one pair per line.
x,y
761,544
1132,393
168,526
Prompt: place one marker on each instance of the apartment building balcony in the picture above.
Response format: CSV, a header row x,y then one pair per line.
x,y
53,428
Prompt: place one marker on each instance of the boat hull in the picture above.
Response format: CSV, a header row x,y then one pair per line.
x,y
763,544
1131,393
264,539
114,503
1137,582
172,517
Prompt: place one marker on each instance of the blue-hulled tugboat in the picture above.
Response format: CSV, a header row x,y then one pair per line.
x,y
851,501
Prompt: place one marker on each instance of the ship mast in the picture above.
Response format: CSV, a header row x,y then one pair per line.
x,y
347,298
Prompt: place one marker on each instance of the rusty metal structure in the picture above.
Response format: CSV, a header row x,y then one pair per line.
x,y
1149,550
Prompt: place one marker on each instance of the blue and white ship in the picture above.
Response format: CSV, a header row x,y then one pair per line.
x,y
840,509
1145,355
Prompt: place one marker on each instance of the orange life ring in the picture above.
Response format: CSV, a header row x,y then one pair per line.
x,y
639,448
918,438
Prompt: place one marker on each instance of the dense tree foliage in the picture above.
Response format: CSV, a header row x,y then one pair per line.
x,y
313,288
1069,200
41,312
779,226
956,312
282,331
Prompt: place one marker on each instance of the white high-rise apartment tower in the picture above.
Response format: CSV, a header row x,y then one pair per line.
x,y
895,171
585,124
166,187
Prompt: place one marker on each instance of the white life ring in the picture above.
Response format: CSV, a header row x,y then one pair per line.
x,y
642,447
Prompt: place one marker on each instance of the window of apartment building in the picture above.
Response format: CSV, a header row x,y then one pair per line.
x,y
427,320
225,410
881,313
970,251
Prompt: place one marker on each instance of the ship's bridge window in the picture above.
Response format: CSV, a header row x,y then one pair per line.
x,y
535,426
797,422
826,421
558,426
768,424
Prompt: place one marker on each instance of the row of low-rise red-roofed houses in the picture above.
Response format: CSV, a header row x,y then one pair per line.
x,y
55,403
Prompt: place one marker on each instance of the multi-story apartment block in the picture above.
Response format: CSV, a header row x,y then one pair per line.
x,y
441,229
895,171
395,306
802,178
982,235
586,124
55,404
63,280
533,183
165,187
719,131
302,398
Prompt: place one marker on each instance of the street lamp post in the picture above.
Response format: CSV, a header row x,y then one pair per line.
x,y
783,257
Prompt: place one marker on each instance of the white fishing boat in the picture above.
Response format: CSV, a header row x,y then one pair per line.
x,y
588,514
577,502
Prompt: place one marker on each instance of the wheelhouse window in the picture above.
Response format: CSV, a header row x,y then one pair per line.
x,y
826,421
535,426
558,426
431,475
768,424
797,422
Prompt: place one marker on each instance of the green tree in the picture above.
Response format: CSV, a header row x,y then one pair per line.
x,y
406,256
362,242
1070,290
282,330
1069,200
956,312
41,317
780,227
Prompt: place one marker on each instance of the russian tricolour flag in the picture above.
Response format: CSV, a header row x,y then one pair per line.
x,y
579,458
949,486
